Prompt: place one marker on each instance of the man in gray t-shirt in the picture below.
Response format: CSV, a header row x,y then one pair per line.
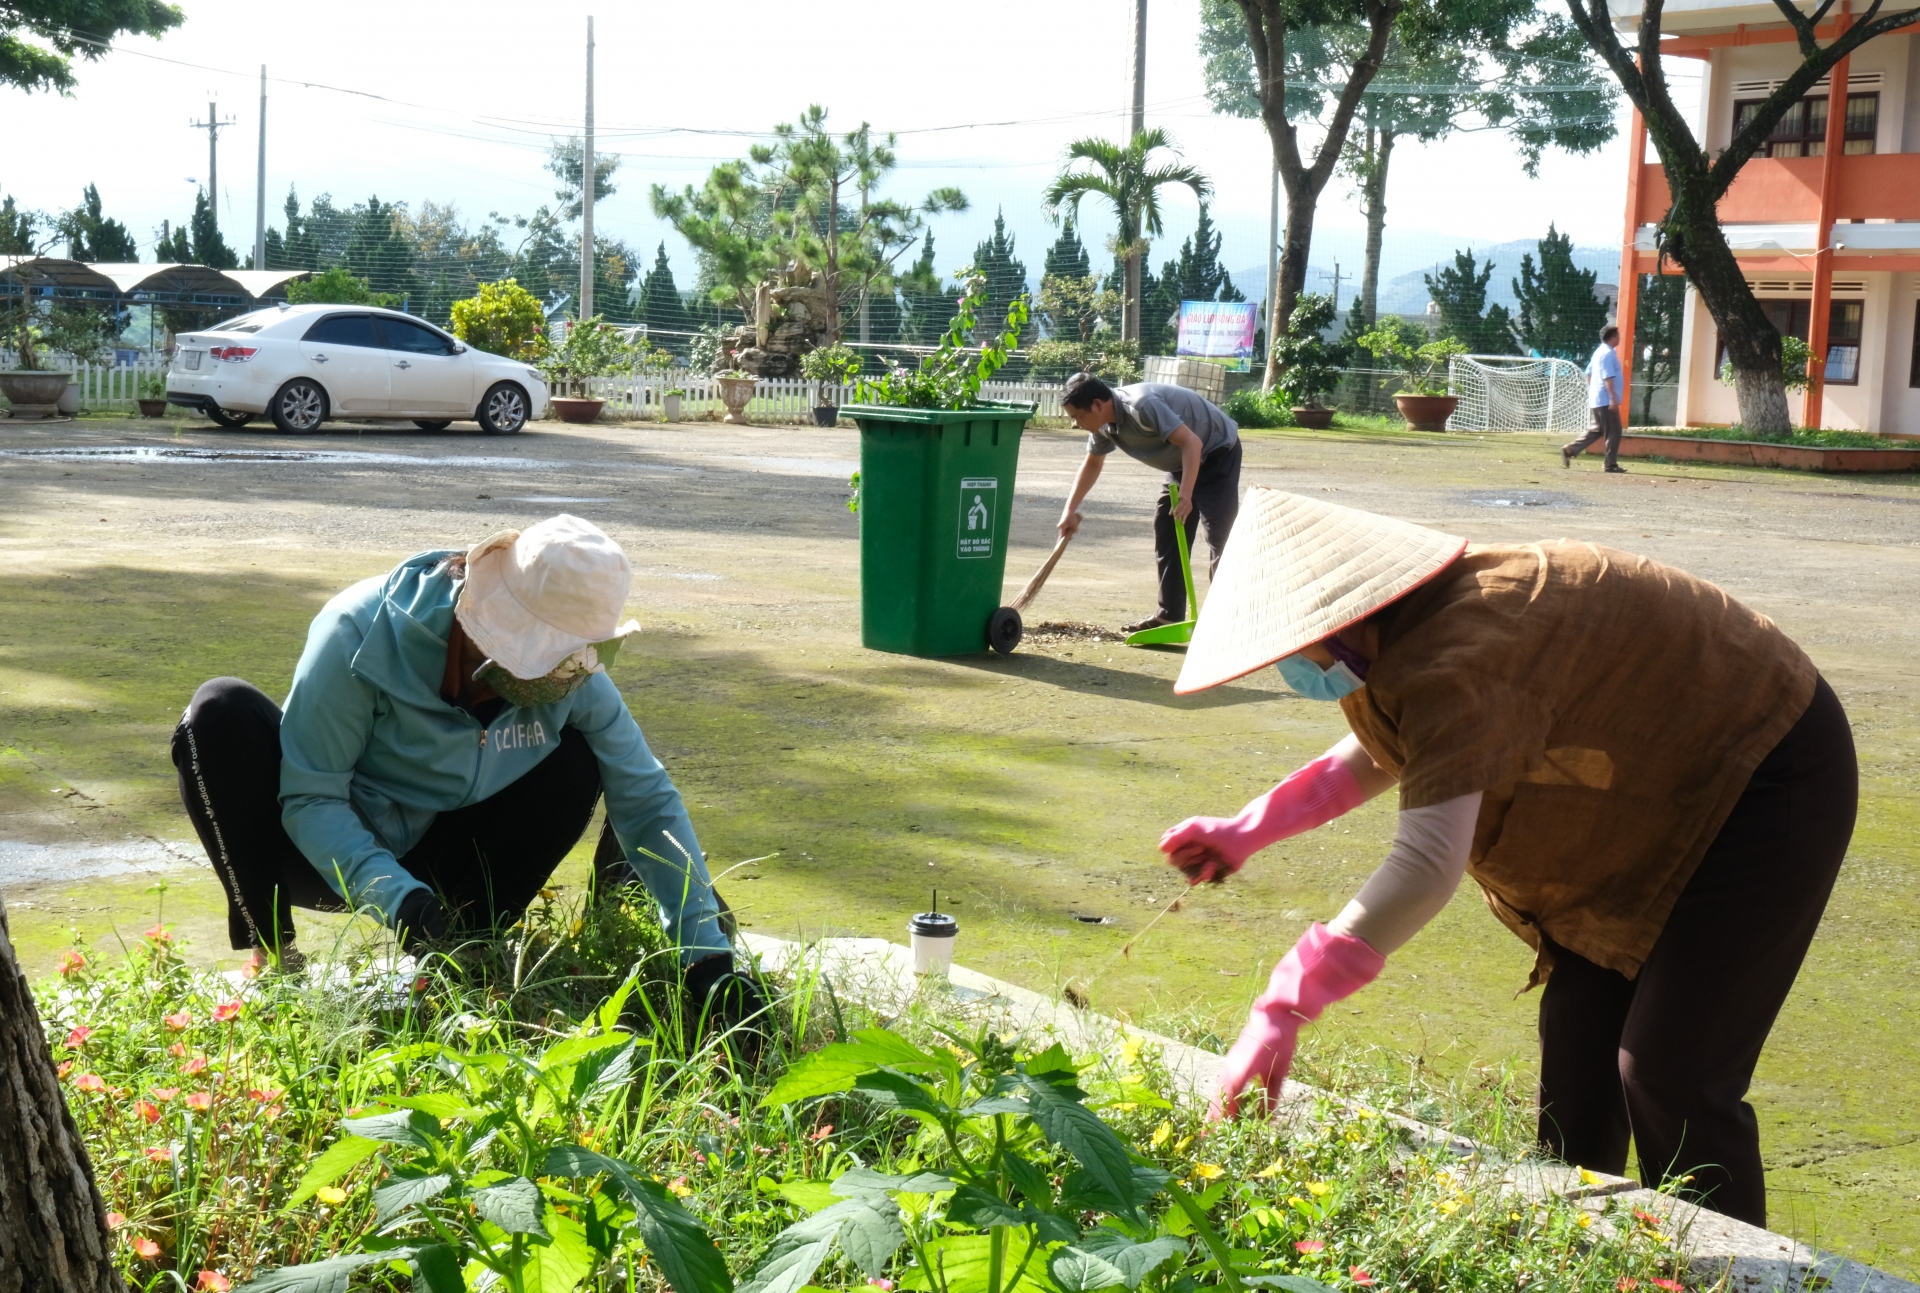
x,y
1170,429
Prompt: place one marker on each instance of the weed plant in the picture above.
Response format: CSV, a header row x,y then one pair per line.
x,y
534,1113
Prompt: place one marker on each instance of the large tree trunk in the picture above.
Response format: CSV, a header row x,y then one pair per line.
x,y
1753,343
1295,245
1374,198
53,1226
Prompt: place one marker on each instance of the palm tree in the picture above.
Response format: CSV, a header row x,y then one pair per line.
x,y
1125,175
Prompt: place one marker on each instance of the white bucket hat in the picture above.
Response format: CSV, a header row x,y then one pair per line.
x,y
1297,570
534,597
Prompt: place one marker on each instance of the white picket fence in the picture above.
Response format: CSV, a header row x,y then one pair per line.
x,y
638,396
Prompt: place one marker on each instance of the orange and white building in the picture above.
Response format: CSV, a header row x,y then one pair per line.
x,y
1825,219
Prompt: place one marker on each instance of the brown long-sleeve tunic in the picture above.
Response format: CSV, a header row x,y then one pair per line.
x,y
1610,708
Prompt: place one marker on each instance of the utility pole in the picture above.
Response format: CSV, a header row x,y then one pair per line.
x,y
1138,121
212,125
586,192
1273,267
260,187
1335,276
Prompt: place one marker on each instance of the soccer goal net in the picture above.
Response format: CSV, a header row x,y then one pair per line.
x,y
1507,393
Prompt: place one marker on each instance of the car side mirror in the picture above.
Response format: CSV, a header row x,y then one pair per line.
x,y
459,347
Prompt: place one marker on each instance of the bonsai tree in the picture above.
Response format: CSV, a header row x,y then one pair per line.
x,y
25,336
593,348
833,365
1397,342
502,318
1308,374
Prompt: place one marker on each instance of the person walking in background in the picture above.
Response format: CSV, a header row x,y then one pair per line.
x,y
1170,429
1604,383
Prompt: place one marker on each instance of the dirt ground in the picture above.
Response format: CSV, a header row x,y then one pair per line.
x,y
138,559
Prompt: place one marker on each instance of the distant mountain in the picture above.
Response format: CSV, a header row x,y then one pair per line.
x,y
1406,293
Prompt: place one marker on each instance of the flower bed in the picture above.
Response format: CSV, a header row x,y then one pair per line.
x,y
1807,451
535,1111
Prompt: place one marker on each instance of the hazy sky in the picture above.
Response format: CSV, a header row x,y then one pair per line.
x,y
458,103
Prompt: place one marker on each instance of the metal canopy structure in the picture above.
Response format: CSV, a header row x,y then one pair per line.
x,y
56,278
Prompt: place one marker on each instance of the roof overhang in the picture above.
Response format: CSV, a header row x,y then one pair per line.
x,y
1703,17
72,278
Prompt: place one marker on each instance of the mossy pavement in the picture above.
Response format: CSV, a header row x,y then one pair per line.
x,y
1030,789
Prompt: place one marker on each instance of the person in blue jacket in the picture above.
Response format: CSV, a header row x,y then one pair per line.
x,y
450,729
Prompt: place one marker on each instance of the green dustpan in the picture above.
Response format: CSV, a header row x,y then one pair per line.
x,y
1182,633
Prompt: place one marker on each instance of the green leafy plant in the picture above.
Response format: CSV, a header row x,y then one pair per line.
x,y
1425,364
833,365
26,336
502,318
1257,409
1308,373
1795,357
1108,358
592,348
337,286
482,1178
151,386
951,377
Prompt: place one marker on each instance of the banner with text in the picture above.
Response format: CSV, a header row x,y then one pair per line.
x,y
1218,330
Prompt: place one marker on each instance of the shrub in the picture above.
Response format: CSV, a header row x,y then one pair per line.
x,y
1252,408
337,286
1308,374
1397,342
503,318
1112,360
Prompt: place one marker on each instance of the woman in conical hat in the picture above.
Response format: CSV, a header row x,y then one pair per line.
x,y
1652,785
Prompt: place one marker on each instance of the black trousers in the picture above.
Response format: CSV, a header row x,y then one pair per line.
x,y
1605,425
1216,500
487,861
1667,1057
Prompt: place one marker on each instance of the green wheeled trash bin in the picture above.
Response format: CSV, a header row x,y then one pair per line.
x,y
936,498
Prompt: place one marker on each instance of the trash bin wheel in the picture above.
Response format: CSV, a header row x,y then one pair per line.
x,y
1004,630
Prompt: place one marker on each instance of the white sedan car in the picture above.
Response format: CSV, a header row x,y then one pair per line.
x,y
304,364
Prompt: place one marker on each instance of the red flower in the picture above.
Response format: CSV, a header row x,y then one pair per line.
x,y
178,1021
90,1082
1626,1284
212,1282
160,1154
226,1014
145,1247
115,1221
71,964
267,1096
420,984
1309,1245
78,1037
198,1064
158,934
66,1067
1361,1278
164,1093
822,1133
148,1110
1646,1218
1671,1286
200,1101
177,1049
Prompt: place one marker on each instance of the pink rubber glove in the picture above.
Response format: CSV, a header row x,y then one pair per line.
x,y
1322,968
1209,849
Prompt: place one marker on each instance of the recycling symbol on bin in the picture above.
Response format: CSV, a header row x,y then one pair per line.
x,y
978,498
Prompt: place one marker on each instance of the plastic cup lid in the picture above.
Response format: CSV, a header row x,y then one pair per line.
x,y
934,924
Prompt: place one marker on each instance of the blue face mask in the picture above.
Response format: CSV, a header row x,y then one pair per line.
x,y
1315,683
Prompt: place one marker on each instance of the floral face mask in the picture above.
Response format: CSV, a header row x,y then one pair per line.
x,y
554,686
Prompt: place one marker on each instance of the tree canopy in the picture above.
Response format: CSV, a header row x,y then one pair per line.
x,y
1560,316
1461,293
39,39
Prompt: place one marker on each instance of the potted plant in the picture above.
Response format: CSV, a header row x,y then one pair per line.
x,y
829,366
593,348
1425,403
1308,374
736,391
31,390
670,403
152,395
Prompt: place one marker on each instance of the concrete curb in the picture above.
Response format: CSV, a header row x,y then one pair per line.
x,y
1720,1251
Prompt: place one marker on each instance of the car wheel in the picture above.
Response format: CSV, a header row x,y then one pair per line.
x,y
300,406
503,409
433,424
231,417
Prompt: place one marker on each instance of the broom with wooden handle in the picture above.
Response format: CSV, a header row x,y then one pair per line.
x,y
1032,590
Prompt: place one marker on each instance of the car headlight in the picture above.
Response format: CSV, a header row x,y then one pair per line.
x,y
534,373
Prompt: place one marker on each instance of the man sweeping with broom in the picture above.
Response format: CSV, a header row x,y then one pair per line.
x,y
1170,429
1652,785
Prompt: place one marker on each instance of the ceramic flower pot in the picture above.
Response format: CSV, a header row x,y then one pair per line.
x,y
1313,419
1426,412
825,415
35,395
152,408
670,405
574,409
735,393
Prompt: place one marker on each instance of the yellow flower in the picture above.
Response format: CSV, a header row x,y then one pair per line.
x,y
1588,1178
1162,1134
1318,1189
1584,1221
331,1195
1181,1147
1208,1172
1277,1167
1366,1113
1128,1107
1130,1050
1447,1207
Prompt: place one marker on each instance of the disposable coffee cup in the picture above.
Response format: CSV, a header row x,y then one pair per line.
x,y
932,934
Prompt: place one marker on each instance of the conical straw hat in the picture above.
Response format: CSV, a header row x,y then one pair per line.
x,y
1297,570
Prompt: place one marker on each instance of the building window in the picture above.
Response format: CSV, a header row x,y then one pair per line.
x,y
1844,318
1802,132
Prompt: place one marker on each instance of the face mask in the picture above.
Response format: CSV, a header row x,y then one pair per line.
x,y
562,681
1315,683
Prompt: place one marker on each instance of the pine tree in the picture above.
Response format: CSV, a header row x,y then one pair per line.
x,y
377,250
1067,258
1559,314
1656,335
659,306
16,229
1201,277
926,305
173,248
93,237
209,248
1160,309
1461,294
1006,277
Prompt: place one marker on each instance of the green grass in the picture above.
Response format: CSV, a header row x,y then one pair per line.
x,y
1800,438
203,1106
